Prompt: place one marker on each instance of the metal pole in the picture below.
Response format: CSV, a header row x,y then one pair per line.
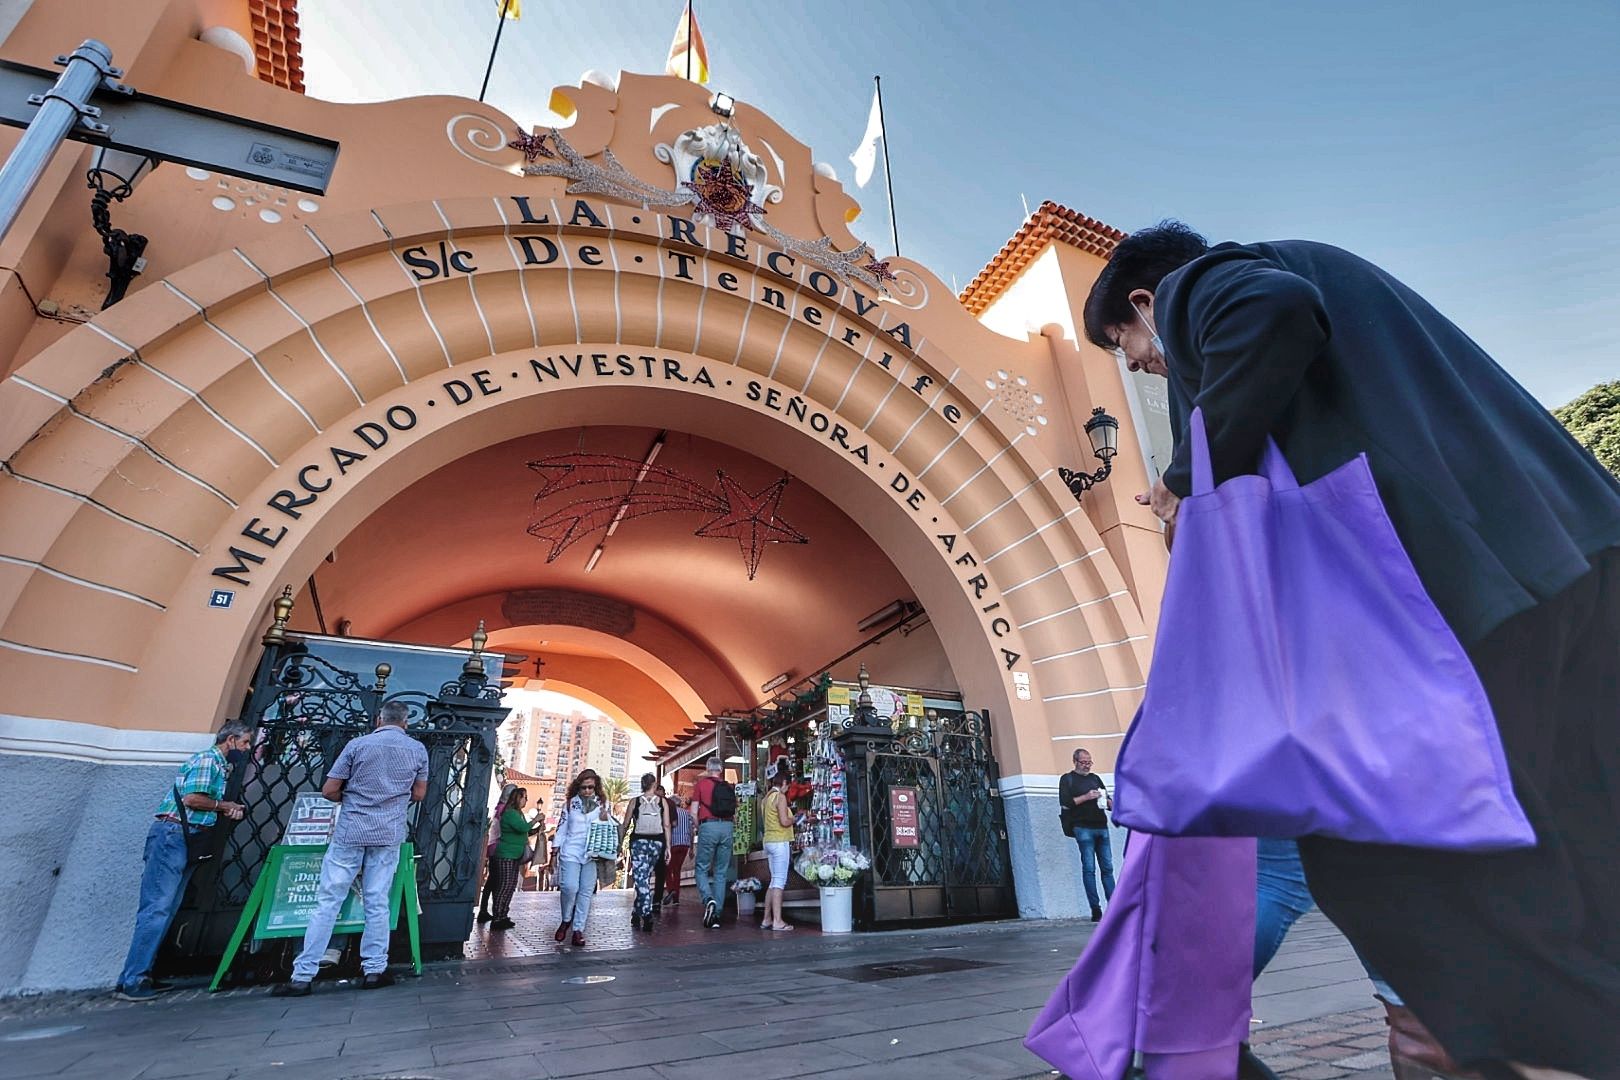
x,y
888,177
59,111
500,25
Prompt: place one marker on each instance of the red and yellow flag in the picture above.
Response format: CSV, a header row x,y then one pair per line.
x,y
688,59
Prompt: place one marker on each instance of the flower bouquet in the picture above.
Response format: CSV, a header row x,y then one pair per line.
x,y
831,867
746,885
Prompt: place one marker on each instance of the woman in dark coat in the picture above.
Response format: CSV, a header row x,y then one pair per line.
x,y
1514,529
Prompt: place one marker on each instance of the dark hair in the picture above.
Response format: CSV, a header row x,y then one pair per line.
x,y
648,782
518,799
588,774
1141,261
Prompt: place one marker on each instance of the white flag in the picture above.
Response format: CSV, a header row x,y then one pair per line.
x,y
865,156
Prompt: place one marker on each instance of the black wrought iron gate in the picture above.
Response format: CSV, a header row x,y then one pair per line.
x,y
960,867
305,709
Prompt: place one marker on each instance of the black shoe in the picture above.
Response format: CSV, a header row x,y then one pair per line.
x,y
141,991
502,924
711,914
484,916
159,985
377,981
1096,914
1251,1067
647,923
291,989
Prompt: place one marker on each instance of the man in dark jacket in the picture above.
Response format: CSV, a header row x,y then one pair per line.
x,y
1515,532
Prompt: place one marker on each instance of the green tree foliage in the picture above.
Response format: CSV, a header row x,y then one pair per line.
x,y
615,790
1594,420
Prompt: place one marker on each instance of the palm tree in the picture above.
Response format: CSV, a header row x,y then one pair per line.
x,y
615,790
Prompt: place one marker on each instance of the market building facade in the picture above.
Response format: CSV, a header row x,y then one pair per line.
x,y
490,377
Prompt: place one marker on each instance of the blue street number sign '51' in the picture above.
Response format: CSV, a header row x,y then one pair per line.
x,y
221,598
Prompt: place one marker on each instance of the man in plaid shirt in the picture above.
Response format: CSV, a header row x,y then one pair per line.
x,y
376,777
199,785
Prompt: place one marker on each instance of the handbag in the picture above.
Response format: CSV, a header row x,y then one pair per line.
x,y
602,841
1169,969
1303,682
199,842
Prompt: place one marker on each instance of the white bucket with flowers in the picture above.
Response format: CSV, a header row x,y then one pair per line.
x,y
834,871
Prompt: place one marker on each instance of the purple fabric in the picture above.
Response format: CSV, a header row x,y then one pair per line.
x,y
1168,970
1303,683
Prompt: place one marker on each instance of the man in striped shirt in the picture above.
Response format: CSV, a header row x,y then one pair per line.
x,y
199,787
376,778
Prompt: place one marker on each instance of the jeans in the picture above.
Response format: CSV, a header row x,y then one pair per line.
x,y
1094,846
376,864
1283,897
163,882
713,860
577,882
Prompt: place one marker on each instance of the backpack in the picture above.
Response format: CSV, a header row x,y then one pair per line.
x,y
722,799
649,819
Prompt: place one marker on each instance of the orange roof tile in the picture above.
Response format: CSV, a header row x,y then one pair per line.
x,y
1052,223
276,43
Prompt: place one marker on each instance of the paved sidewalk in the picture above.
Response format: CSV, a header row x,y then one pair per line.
x,y
934,1005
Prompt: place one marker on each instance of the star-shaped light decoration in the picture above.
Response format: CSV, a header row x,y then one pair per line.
x,y
752,520
723,196
879,268
533,146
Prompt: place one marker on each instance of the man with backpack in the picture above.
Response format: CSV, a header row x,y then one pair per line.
x,y
716,806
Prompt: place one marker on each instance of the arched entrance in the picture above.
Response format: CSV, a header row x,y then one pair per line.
x,y
170,465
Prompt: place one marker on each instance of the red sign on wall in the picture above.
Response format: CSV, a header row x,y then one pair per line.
x,y
903,817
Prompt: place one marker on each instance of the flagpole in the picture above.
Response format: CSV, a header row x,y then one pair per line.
x,y
888,177
688,40
499,26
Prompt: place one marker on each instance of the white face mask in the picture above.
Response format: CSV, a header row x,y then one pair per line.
x,y
1158,343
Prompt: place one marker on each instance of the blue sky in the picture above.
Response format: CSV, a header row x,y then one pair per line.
x,y
1471,149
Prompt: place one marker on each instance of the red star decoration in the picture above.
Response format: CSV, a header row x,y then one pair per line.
x,y
533,146
723,195
752,520
879,268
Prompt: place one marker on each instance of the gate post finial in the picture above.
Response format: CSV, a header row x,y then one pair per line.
x,y
475,661
383,671
283,605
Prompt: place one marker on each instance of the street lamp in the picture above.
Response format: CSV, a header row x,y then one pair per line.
x,y
112,177
1103,431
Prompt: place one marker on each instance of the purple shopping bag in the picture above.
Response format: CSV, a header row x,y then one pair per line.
x,y
1303,683
1170,967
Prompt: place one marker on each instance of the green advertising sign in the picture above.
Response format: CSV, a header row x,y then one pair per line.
x,y
284,897
295,880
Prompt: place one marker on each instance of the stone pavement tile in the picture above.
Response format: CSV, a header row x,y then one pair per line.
x,y
802,1060
1368,1042
924,1012
891,1043
1328,1053
1367,1059
1317,1072
607,1060
977,1063
549,1017
1013,1023
517,1045
183,1062
383,1042
517,1067
1283,1062
785,1033
43,1061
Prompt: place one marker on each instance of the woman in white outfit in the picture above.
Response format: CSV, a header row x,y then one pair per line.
x,y
576,871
